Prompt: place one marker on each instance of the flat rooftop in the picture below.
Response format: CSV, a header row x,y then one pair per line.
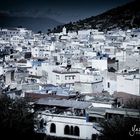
x,y
65,72
64,103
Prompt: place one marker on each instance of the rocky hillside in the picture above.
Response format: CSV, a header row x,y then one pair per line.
x,y
124,17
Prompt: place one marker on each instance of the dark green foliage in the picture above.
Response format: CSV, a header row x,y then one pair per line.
x,y
133,103
16,119
118,128
124,17
39,32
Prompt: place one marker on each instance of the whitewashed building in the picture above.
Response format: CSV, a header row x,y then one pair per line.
x,y
68,123
89,82
64,76
129,82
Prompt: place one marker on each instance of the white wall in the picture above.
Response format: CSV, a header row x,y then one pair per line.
x,y
86,128
8,78
101,105
128,84
98,36
88,88
89,54
89,83
40,52
30,87
1,70
110,82
121,56
59,78
48,68
35,70
112,86
90,78
99,64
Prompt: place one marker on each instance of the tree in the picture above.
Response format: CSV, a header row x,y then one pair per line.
x,y
133,103
16,119
49,30
120,128
39,32
19,26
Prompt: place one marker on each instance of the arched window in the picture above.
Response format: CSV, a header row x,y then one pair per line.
x,y
53,128
76,131
67,130
71,130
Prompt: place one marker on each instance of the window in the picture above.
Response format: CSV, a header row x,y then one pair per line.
x,y
67,130
71,131
53,128
12,76
72,84
108,85
57,77
11,56
76,131
73,77
66,77
69,77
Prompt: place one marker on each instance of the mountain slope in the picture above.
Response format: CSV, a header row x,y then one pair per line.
x,y
31,23
124,17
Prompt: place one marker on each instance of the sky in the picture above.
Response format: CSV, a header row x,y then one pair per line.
x,y
63,11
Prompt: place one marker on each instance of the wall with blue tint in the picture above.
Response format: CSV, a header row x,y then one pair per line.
x,y
36,63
